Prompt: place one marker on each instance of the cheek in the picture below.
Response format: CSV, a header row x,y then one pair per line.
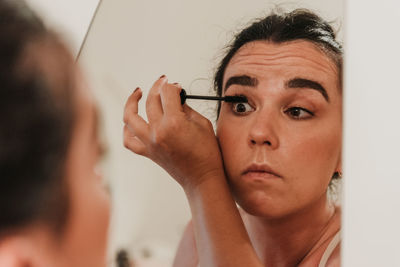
x,y
313,156
310,149
232,140
89,218
315,143
323,146
95,214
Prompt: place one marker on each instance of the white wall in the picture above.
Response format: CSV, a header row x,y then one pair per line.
x,y
131,44
372,134
71,18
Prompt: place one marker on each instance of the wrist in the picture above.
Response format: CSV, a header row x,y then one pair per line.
x,y
211,182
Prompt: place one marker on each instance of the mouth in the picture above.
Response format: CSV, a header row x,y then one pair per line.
x,y
260,171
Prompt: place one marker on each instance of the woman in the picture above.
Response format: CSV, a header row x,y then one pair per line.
x,y
275,155
54,210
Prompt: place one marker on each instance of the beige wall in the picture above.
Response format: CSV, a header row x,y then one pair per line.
x,y
69,18
372,134
131,44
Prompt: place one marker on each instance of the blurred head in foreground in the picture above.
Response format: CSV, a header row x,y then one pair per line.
x,y
54,210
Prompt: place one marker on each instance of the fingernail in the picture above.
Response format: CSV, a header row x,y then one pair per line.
x,y
137,88
162,76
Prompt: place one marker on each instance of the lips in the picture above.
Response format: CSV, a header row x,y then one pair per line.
x,y
261,170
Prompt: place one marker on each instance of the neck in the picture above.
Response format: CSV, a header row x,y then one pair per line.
x,y
288,240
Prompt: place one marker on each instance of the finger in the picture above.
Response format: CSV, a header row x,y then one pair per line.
x,y
131,105
133,143
154,109
170,99
137,124
193,115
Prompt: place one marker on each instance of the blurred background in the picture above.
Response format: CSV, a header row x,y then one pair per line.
x,y
70,18
122,44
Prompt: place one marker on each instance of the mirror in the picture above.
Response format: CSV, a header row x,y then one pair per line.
x,y
132,43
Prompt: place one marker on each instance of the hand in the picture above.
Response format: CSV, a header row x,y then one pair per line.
x,y
175,137
183,142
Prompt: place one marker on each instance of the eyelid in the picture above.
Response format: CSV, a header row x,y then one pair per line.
x,y
240,93
310,114
303,102
236,89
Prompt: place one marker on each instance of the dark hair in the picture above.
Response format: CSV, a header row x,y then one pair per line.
x,y
36,118
300,24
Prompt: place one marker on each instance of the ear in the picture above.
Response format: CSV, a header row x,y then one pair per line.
x,y
13,252
339,164
7,257
21,250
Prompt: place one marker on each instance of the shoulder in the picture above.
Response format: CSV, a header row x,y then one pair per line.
x,y
334,259
326,251
331,254
186,255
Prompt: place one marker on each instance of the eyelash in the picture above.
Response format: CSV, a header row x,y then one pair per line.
x,y
301,109
233,105
287,111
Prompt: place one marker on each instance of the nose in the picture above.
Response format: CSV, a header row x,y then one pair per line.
x,y
263,131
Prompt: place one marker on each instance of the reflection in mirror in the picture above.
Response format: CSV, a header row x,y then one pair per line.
x,y
291,125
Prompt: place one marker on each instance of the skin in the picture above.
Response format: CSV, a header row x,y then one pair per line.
x,y
84,237
303,149
286,219
196,166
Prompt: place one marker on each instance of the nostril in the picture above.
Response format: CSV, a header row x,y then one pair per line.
x,y
253,142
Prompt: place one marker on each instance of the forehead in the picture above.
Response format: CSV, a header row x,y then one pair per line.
x,y
86,107
274,62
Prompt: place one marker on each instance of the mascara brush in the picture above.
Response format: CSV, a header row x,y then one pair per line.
x,y
231,99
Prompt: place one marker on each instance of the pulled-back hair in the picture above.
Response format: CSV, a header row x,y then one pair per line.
x,y
300,24
36,120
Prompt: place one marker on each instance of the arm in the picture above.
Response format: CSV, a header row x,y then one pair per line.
x,y
206,210
186,254
220,235
183,142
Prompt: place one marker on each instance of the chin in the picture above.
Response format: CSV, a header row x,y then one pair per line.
x,y
261,205
262,199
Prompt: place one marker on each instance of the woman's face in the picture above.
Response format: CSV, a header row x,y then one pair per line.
x,y
281,148
85,238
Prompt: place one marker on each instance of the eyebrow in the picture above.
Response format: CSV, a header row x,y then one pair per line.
x,y
294,83
306,83
241,80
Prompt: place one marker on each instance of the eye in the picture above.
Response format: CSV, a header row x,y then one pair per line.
x,y
241,108
299,113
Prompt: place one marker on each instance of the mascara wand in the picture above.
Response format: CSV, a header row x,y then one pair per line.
x,y
231,99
